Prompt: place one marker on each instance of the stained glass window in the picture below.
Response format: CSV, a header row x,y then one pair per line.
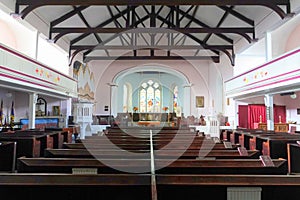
x,y
150,97
175,98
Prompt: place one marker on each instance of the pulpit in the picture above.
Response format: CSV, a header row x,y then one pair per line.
x,y
82,113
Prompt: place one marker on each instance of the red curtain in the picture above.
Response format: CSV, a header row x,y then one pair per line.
x,y
243,116
250,114
279,111
255,111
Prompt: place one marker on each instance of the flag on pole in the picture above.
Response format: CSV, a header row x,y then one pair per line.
x,y
1,113
12,115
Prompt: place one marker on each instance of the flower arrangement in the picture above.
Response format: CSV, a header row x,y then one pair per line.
x,y
165,108
135,108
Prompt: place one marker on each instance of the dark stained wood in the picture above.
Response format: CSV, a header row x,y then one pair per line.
x,y
293,151
162,166
138,185
191,154
75,187
65,165
29,146
220,166
83,146
140,179
95,153
47,139
66,132
7,156
276,148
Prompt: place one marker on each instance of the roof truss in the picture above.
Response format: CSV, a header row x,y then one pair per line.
x,y
178,34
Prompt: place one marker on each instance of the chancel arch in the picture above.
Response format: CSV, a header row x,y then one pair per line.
x,y
151,89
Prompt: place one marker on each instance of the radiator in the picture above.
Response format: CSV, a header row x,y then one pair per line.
x,y
244,193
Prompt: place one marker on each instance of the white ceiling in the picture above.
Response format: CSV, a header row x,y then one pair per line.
x,y
207,16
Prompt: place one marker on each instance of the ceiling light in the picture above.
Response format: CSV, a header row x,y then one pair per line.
x,y
293,96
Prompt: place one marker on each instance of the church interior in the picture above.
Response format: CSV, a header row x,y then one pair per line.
x,y
150,99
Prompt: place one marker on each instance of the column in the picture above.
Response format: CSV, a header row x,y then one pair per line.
x,y
269,111
268,48
112,99
187,99
32,101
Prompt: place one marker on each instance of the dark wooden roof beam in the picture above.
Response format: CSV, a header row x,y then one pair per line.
x,y
110,20
33,4
138,47
64,31
107,40
200,23
116,22
237,30
238,15
219,24
214,58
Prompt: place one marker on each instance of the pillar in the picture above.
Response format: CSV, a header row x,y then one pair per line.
x,y
32,102
269,111
187,99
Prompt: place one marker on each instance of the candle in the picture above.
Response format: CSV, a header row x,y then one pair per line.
x,y
260,119
279,118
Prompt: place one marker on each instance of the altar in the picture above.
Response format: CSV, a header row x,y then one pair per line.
x,y
148,123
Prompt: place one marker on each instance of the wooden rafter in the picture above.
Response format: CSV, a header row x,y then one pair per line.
x,y
33,4
213,58
241,31
175,16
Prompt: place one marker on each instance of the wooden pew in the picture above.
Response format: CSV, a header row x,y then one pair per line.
x,y
244,138
58,137
146,146
67,165
29,146
96,153
137,186
7,156
277,147
279,187
203,146
255,140
220,166
45,139
273,145
66,132
189,154
33,186
54,138
168,128
293,151
146,141
162,166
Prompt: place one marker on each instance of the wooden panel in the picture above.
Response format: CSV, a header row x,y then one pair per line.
x,y
278,127
162,166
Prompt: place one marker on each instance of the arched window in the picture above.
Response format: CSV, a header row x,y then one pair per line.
x,y
150,97
175,98
127,97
